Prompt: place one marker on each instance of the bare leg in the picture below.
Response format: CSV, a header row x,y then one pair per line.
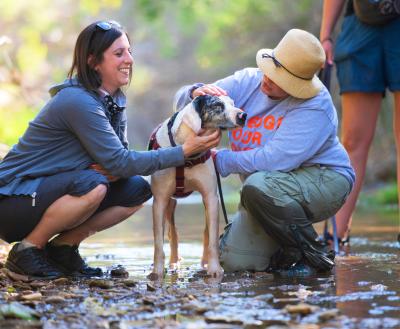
x,y
65,213
99,222
359,117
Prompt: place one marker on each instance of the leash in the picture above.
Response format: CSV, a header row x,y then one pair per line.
x,y
221,196
325,77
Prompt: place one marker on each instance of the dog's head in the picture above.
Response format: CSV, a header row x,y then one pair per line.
x,y
218,112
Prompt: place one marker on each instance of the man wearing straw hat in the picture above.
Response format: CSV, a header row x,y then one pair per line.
x,y
294,170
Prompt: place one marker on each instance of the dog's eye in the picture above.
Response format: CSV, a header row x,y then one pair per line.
x,y
217,109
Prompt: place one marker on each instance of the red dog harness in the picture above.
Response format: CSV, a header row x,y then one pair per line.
x,y
189,162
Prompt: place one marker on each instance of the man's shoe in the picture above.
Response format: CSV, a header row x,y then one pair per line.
x,y
70,261
300,269
32,262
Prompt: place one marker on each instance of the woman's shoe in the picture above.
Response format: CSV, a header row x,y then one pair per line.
x,y
32,262
70,261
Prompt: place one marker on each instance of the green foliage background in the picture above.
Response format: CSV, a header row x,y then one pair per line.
x,y
37,39
175,42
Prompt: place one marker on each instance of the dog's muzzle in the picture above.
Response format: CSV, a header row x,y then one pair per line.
x,y
241,118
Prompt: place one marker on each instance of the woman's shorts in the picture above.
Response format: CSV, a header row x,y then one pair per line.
x,y
368,57
20,214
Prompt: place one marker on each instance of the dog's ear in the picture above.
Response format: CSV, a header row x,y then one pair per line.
x,y
200,102
192,118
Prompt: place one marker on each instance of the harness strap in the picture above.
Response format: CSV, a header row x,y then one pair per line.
x,y
189,162
169,126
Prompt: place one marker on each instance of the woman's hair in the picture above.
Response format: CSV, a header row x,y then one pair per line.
x,y
92,42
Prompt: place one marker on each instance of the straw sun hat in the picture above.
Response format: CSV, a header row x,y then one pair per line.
x,y
292,65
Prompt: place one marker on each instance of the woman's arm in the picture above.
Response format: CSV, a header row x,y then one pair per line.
x,y
330,13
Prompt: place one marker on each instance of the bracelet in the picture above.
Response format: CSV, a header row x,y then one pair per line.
x,y
327,39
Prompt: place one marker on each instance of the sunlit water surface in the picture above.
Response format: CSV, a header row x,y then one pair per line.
x,y
365,284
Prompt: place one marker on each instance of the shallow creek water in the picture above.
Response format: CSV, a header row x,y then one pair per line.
x,y
365,286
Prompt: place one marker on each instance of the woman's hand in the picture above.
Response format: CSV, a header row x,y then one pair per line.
x,y
327,44
206,139
208,90
104,172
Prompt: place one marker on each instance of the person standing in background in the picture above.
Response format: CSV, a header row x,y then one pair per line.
x,y
367,58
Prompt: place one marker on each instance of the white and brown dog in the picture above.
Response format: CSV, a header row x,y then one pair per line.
x,y
198,174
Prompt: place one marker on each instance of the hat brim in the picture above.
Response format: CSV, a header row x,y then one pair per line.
x,y
293,85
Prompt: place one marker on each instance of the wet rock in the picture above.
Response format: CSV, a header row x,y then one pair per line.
x,y
21,286
196,307
151,287
32,297
54,300
38,284
265,297
61,281
67,295
328,314
153,276
129,283
20,324
301,308
220,318
149,300
119,272
103,284
19,311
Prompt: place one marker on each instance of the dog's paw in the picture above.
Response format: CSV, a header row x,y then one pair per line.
x,y
175,266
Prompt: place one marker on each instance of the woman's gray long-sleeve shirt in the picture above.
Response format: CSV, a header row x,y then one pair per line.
x,y
72,132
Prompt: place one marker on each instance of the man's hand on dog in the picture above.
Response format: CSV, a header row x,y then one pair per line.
x,y
104,172
209,90
201,142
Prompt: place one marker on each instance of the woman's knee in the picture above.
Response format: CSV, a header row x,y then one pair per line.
x,y
129,211
265,187
96,195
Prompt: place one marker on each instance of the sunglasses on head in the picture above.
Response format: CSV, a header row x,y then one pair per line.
x,y
278,64
105,26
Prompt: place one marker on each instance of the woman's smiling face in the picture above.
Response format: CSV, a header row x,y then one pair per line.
x,y
116,66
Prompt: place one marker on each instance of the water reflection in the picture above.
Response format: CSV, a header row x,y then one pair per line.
x,y
365,284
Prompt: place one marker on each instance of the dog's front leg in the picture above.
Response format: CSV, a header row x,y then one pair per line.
x,y
214,268
204,258
159,208
174,259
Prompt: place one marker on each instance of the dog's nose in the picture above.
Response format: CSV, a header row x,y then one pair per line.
x,y
241,118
